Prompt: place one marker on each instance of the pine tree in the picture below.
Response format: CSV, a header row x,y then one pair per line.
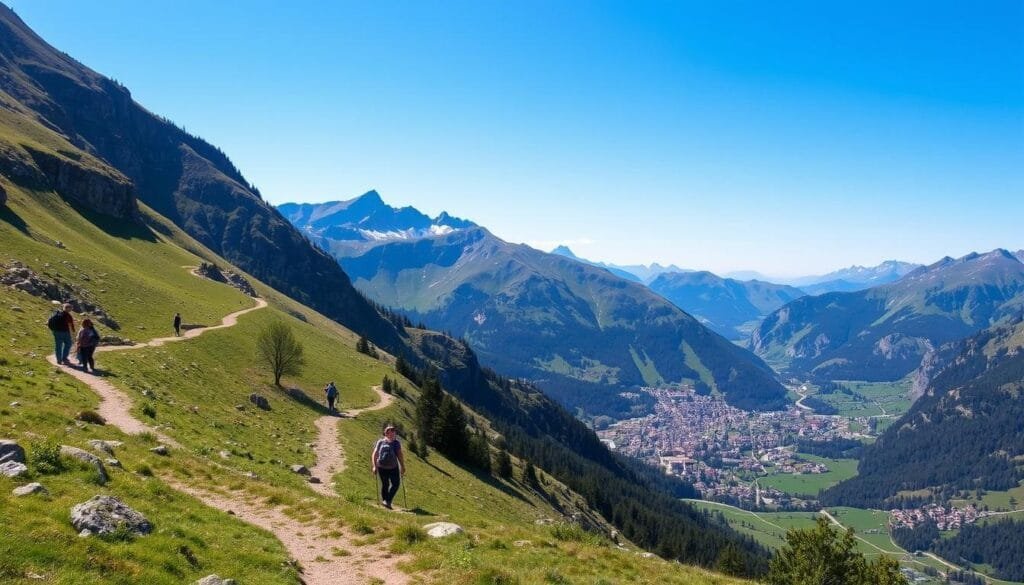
x,y
427,409
529,475
450,435
503,464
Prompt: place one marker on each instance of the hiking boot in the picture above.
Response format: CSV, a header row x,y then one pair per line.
x,y
387,505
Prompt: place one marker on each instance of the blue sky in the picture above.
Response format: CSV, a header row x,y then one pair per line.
x,y
786,139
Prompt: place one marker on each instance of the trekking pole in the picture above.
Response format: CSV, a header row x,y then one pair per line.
x,y
405,495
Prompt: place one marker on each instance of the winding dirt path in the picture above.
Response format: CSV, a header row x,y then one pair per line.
x,y
326,558
330,457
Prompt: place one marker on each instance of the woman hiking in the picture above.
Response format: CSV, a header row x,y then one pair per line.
x,y
88,339
388,461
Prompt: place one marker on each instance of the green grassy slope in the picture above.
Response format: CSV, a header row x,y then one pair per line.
x,y
137,275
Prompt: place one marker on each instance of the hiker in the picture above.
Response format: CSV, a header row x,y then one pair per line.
x,y
177,324
62,324
388,462
332,394
87,341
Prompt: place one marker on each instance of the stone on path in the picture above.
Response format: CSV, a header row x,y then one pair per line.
x,y
29,489
442,529
13,469
85,457
11,451
300,469
104,514
261,402
313,479
214,580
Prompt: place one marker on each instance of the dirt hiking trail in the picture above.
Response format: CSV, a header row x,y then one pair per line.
x,y
309,544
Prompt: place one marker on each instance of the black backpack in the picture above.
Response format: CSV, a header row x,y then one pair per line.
x,y
386,456
57,321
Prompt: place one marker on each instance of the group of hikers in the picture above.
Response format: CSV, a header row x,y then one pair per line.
x,y
387,460
85,341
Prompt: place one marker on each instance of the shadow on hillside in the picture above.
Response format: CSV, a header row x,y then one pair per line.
x,y
7,215
297,395
125,229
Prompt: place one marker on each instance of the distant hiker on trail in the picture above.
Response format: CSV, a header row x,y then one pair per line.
x,y
62,324
177,324
88,340
388,462
332,394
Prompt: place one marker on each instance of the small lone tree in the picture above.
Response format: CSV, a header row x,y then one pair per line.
x,y
278,348
503,464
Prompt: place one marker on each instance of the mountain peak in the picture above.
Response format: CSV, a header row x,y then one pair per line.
x,y
565,251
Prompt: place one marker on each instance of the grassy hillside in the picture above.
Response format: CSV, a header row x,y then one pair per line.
x,y
190,390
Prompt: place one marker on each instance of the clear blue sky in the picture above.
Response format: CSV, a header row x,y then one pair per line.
x,y
786,139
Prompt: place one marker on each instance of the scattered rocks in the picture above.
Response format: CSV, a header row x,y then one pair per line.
x,y
522,543
13,469
105,446
225,454
251,475
115,340
300,469
261,402
214,580
115,463
214,272
160,450
442,529
11,451
85,457
29,489
105,514
20,277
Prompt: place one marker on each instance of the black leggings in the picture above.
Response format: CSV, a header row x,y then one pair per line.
x,y
390,479
87,361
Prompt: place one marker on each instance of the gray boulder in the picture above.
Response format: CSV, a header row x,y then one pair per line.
x,y
85,457
442,529
13,469
261,402
29,489
104,514
11,451
105,446
214,580
160,450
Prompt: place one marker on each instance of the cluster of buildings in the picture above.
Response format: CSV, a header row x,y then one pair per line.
x,y
944,518
719,448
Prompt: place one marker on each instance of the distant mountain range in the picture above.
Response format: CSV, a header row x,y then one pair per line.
x,y
730,307
855,278
963,434
884,332
584,334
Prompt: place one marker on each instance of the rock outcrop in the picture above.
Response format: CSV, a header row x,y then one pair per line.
x,y
13,469
87,458
29,489
214,272
18,276
106,514
442,529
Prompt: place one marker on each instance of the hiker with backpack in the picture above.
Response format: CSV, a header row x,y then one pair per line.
x,y
388,461
332,394
88,340
62,324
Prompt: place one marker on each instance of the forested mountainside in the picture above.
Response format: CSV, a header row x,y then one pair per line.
x,y
884,332
966,432
181,176
582,334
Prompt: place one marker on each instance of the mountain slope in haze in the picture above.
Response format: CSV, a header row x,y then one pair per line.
x,y
855,278
621,273
581,333
181,176
729,307
883,333
963,433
